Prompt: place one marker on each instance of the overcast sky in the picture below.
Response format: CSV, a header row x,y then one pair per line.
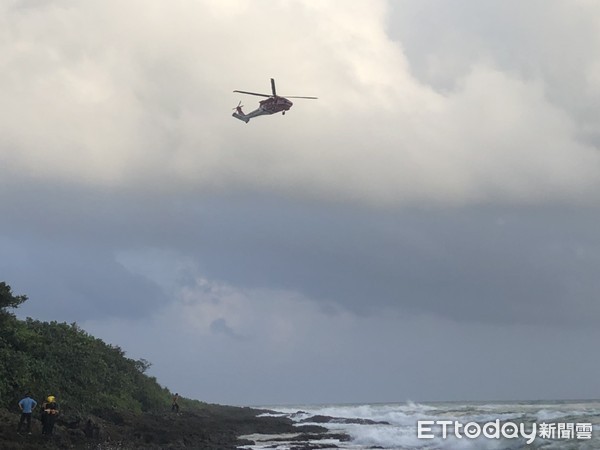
x,y
426,230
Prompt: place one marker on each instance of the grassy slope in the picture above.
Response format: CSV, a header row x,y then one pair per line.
x,y
96,381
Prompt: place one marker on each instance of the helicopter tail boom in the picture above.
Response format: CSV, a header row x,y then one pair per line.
x,y
241,117
239,114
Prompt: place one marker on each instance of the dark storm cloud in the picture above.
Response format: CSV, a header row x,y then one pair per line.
x,y
219,326
74,282
58,245
501,264
484,264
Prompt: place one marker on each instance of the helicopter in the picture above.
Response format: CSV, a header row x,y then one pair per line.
x,y
271,105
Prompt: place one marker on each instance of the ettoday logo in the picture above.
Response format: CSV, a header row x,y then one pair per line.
x,y
507,430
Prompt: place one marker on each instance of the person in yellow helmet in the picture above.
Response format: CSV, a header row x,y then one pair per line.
x,y
49,413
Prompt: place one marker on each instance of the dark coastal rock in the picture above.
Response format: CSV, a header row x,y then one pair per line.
x,y
328,419
312,446
208,428
310,429
313,437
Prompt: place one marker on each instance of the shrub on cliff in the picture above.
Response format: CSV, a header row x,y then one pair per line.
x,y
82,371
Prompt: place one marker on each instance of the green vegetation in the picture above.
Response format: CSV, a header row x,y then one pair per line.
x,y
106,399
84,373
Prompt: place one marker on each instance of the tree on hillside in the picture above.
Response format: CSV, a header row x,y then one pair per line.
x,y
7,299
62,359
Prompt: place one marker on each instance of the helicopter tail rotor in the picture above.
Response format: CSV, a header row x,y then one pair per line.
x,y
239,114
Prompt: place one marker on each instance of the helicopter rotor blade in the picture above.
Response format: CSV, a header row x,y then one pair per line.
x,y
253,93
273,87
295,96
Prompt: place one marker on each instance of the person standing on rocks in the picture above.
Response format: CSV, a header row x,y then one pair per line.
x,y
49,413
27,405
175,405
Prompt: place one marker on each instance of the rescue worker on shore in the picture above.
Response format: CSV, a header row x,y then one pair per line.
x,y
49,413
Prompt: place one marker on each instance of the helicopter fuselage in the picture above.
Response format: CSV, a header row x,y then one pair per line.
x,y
274,105
271,105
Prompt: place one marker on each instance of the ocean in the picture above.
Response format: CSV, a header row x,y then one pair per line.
x,y
547,425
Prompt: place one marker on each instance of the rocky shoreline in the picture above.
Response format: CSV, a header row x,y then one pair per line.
x,y
210,427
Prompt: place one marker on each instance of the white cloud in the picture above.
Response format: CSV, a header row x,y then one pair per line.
x,y
140,96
